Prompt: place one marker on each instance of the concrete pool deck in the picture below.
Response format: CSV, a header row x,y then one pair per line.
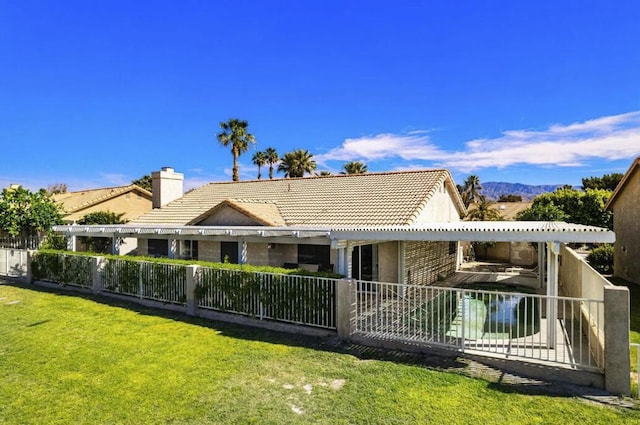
x,y
480,272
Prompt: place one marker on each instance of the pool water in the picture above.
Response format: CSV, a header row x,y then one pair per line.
x,y
485,312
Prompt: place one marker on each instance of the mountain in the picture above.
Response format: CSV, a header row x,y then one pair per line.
x,y
493,190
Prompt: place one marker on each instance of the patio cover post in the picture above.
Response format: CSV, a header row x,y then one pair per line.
x,y
242,246
71,242
553,249
541,265
115,245
348,258
341,262
173,248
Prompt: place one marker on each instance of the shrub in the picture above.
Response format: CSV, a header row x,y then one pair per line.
x,y
601,259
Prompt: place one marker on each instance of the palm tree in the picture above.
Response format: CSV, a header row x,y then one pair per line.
x,y
259,158
234,133
482,211
471,190
323,173
272,158
355,167
296,163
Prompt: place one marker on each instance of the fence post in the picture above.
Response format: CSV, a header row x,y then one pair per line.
x,y
190,289
616,345
96,268
345,307
29,267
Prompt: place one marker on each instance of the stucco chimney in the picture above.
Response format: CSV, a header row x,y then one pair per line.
x,y
167,186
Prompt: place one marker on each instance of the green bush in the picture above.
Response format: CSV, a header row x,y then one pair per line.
x,y
224,266
63,269
601,259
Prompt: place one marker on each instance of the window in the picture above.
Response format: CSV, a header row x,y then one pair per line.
x,y
314,254
158,247
189,250
229,252
364,262
452,247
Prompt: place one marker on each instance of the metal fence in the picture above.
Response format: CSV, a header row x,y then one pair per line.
x,y
31,242
144,280
13,262
508,324
287,298
637,347
71,270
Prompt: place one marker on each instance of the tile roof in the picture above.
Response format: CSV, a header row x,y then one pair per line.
x,y
263,212
76,201
507,210
392,198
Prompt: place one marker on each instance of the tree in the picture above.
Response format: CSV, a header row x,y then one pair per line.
x,y
355,167
102,217
234,133
323,173
470,192
97,244
259,158
606,182
56,188
25,213
542,212
144,182
510,198
272,159
571,205
297,163
482,211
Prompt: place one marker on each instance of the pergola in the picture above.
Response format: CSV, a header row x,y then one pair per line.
x,y
548,236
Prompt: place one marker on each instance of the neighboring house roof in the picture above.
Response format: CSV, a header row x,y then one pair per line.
x,y
392,198
75,204
635,166
507,210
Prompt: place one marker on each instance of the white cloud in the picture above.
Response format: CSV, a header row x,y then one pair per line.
x,y
411,146
606,138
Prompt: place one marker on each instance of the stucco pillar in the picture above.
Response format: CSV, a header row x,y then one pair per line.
x,y
553,249
96,268
190,288
345,307
616,345
29,266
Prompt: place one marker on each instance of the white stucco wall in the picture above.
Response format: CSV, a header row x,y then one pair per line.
x,y
440,208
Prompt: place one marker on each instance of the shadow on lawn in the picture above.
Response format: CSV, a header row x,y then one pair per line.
x,y
497,380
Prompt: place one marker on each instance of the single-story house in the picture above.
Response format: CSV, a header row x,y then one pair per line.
x,y
626,224
131,200
402,227
407,198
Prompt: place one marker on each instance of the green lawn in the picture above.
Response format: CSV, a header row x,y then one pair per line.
x,y
74,360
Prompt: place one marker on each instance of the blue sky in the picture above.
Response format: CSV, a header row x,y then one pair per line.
x,y
97,93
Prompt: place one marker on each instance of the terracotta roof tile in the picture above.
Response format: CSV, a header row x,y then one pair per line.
x,y
393,198
76,201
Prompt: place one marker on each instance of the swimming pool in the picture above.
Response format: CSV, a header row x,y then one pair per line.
x,y
481,311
